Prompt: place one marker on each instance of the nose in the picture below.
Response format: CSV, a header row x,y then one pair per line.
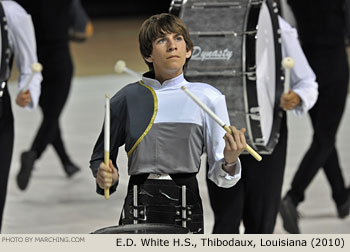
x,y
172,45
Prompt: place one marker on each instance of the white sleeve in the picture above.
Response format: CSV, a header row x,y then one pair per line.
x,y
215,145
23,45
303,80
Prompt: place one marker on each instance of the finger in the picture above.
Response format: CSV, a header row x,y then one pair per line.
x,y
288,98
111,166
108,183
287,106
104,183
106,175
290,105
283,104
285,97
104,180
20,103
237,138
233,128
242,136
113,169
103,167
227,144
102,175
99,181
231,142
100,184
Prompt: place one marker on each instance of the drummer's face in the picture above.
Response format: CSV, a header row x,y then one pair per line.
x,y
168,56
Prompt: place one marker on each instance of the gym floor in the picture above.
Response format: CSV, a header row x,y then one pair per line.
x,y
53,203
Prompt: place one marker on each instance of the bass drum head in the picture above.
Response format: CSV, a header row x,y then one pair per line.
x,y
266,75
263,53
149,228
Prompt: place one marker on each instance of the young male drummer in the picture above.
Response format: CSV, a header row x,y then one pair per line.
x,y
163,130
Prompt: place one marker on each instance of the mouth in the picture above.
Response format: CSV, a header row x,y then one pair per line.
x,y
173,57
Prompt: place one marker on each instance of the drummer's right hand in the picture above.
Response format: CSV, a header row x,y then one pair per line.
x,y
23,98
107,176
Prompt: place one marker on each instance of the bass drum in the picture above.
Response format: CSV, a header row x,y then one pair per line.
x,y
237,49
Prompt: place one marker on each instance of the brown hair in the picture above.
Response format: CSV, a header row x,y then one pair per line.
x,y
157,26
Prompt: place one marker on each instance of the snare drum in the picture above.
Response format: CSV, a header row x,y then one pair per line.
x,y
162,201
237,49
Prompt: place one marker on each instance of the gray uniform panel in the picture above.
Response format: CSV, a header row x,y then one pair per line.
x,y
152,154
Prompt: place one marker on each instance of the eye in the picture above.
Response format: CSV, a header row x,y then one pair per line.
x,y
161,40
179,38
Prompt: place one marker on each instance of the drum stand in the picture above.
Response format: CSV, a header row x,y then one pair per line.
x,y
136,215
183,201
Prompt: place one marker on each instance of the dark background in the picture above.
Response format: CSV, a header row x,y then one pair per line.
x,y
120,8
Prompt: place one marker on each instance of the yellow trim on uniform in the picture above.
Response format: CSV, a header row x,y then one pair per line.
x,y
152,119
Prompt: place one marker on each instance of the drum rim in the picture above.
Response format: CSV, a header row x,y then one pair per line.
x,y
277,110
128,227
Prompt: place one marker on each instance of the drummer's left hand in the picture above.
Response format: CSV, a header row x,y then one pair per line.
x,y
290,100
235,143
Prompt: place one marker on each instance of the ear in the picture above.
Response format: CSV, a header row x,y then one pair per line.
x,y
188,54
149,59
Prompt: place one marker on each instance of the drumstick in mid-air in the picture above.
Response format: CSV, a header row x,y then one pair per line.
x,y
120,67
219,121
287,63
106,139
36,68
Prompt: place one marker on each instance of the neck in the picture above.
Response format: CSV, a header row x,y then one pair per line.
x,y
164,77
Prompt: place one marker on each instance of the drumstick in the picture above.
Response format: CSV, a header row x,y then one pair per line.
x,y
106,140
120,67
287,63
36,68
219,121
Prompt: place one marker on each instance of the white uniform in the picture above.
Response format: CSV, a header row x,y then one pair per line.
x,y
302,78
22,44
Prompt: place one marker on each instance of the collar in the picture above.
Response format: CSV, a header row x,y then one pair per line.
x,y
177,82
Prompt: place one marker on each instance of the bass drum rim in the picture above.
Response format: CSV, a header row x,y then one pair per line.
x,y
251,86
